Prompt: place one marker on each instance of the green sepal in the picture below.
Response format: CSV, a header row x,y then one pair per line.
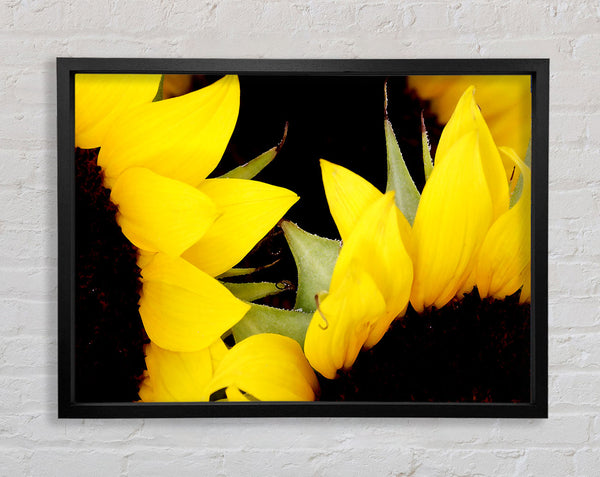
x,y
238,272
159,93
266,319
256,290
253,167
398,177
516,193
315,259
427,161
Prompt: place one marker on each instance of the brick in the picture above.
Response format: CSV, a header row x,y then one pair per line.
x,y
26,316
32,283
559,431
574,312
575,389
467,462
573,204
380,17
573,279
166,461
568,127
579,351
63,462
43,15
587,461
585,49
548,462
15,461
27,354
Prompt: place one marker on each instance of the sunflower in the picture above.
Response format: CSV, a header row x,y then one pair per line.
x,y
504,100
464,234
155,157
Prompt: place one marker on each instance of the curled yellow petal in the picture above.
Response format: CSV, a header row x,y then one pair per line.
x,y
182,138
100,98
465,119
249,210
178,376
343,322
268,367
183,308
506,250
161,214
377,247
454,215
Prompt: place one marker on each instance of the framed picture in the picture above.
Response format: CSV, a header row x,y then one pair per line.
x,y
302,237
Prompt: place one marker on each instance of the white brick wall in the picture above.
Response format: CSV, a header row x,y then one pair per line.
x,y
33,442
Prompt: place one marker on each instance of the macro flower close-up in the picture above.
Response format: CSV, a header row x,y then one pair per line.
x,y
333,276
154,156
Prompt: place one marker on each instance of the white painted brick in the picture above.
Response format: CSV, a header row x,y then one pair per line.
x,y
587,462
593,128
566,430
547,462
380,17
188,463
15,462
575,279
574,204
575,388
64,462
567,127
467,462
41,15
429,16
585,49
21,355
573,312
575,351
26,316
573,87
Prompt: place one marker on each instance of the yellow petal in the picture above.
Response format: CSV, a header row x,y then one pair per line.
x,y
182,138
348,195
161,214
499,96
376,246
454,214
267,366
183,308
100,98
506,250
249,210
176,376
465,119
343,322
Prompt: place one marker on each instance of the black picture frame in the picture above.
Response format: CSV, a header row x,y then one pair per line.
x,y
539,71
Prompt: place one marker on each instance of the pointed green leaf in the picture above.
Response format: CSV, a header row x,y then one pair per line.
x,y
250,169
315,258
255,291
427,161
398,177
266,319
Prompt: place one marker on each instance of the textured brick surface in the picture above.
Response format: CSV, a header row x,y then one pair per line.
x,y
33,442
